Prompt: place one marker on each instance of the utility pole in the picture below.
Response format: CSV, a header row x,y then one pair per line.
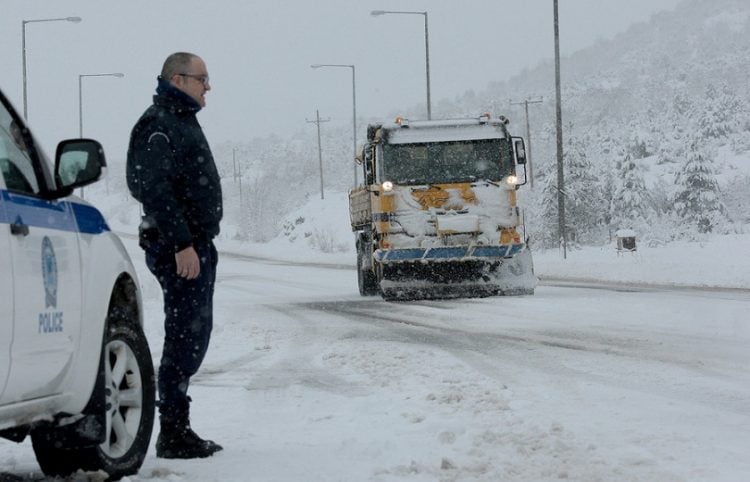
x,y
317,121
526,103
237,172
558,123
354,111
234,164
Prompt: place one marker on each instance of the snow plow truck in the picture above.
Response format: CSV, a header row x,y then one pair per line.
x,y
436,216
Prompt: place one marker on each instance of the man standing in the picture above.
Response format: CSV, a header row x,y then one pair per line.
x,y
171,171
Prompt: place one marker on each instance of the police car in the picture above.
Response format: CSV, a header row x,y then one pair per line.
x,y
76,374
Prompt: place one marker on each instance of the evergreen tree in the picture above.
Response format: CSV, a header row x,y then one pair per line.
x,y
630,203
697,201
550,231
719,113
585,205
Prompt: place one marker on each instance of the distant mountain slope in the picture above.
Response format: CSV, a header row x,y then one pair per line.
x,y
684,50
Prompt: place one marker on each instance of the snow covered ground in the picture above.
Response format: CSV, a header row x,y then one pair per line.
x,y
307,381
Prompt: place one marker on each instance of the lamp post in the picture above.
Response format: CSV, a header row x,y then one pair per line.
x,y
376,13
558,123
23,50
80,105
354,109
80,95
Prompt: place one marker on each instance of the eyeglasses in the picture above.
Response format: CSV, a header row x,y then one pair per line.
x,y
200,78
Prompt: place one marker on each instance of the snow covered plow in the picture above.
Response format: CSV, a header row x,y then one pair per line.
x,y
437,214
457,272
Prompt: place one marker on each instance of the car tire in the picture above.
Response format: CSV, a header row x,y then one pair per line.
x,y
130,402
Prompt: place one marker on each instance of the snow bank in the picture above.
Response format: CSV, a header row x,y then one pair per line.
x,y
719,261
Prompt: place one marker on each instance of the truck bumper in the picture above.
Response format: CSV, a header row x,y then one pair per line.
x,y
449,253
456,271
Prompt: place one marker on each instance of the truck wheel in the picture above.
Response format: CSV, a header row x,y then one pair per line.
x,y
129,404
366,280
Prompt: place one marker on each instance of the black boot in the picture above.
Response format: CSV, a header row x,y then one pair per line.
x,y
178,441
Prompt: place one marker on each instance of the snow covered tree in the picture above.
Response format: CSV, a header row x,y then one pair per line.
x,y
682,105
736,198
585,202
638,148
630,203
550,231
718,116
585,205
697,201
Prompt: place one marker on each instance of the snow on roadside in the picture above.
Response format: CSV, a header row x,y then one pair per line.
x,y
717,261
320,231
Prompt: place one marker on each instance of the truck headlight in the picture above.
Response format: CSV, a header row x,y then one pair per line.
x,y
512,180
387,186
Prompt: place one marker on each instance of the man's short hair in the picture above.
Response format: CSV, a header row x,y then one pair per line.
x,y
177,63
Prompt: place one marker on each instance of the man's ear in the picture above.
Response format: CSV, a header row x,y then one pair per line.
x,y
176,80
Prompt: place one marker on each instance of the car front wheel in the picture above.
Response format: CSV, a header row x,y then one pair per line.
x,y
129,411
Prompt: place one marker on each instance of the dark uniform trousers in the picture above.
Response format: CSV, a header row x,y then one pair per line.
x,y
188,309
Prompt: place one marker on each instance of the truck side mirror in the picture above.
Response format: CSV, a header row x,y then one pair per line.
x,y
519,148
369,159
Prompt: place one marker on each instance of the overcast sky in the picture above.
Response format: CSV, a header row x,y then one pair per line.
x,y
259,52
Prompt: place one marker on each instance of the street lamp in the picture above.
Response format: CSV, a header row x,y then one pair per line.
x,y
354,109
558,127
80,105
377,13
23,49
80,95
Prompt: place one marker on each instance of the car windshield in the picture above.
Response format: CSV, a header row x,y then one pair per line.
x,y
446,162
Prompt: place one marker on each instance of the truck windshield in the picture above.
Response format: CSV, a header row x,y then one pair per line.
x,y
447,162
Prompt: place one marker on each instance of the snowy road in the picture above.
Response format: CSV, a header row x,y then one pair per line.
x,y
306,380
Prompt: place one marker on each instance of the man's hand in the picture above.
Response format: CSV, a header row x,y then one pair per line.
x,y
188,264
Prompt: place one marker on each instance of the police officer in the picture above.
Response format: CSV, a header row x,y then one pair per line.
x,y
171,172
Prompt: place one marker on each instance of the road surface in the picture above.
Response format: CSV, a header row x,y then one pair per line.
x,y
306,380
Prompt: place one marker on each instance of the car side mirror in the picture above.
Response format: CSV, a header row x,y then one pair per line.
x,y
78,162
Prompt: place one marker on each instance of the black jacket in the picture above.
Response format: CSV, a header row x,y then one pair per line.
x,y
171,171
